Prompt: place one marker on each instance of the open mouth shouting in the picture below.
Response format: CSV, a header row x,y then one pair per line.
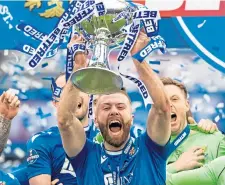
x,y
115,127
173,117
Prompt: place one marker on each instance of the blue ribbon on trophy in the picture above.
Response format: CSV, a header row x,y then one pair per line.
x,y
156,42
90,107
71,52
56,90
30,50
32,31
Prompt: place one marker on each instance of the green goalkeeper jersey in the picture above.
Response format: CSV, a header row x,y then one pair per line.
x,y
212,173
213,144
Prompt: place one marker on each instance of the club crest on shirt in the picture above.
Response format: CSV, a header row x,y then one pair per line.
x,y
132,151
33,156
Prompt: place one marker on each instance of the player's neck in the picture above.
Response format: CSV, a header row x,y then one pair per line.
x,y
111,148
175,134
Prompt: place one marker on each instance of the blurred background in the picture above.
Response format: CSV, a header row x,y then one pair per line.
x,y
204,83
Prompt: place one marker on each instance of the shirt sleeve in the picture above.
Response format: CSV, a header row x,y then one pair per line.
x,y
212,173
12,180
221,147
38,157
21,175
79,161
161,151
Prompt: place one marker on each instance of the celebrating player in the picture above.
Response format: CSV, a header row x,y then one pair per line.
x,y
121,159
9,106
207,147
51,162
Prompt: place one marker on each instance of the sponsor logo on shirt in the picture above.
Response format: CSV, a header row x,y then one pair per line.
x,y
33,156
180,139
132,151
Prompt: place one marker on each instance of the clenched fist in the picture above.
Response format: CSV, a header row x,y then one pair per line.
x,y
9,104
140,43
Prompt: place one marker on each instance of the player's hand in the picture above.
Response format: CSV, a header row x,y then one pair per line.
x,y
54,182
9,104
80,59
140,43
190,160
205,125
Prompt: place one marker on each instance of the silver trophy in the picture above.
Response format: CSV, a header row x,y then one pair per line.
x,y
102,34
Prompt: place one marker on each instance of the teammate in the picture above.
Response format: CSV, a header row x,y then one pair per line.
x,y
50,162
207,147
9,106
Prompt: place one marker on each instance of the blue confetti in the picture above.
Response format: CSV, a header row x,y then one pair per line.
x,y
154,62
47,78
182,65
44,65
19,66
41,114
26,122
196,59
156,71
3,80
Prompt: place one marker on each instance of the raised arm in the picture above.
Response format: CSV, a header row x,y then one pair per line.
x,y
71,104
9,106
158,124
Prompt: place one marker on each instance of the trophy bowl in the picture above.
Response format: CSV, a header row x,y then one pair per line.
x,y
102,33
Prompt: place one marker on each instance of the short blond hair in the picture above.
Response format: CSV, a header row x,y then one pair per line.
x,y
169,81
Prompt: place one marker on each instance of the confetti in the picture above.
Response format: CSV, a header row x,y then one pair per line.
x,y
44,65
207,98
19,153
220,105
4,78
217,118
201,24
41,114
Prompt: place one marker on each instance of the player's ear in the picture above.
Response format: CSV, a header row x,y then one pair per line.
x,y
187,104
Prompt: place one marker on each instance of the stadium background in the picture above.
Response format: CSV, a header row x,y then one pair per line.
x,y
204,83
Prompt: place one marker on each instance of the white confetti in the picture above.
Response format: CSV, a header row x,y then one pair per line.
x,y
19,153
202,24
207,98
217,118
220,105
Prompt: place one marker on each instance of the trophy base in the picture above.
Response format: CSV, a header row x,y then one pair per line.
x,y
94,80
